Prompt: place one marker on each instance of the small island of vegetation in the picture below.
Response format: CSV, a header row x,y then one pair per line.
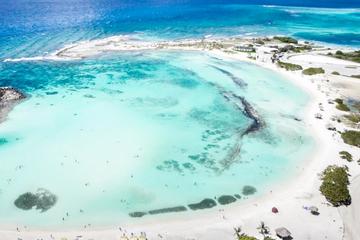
x,y
349,56
334,187
313,71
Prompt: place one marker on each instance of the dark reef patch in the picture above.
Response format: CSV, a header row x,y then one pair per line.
x,y
137,214
51,93
204,204
238,196
248,190
226,199
168,210
170,165
42,200
250,112
3,141
238,81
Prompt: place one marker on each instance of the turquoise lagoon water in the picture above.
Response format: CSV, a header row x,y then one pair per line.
x,y
139,131
142,131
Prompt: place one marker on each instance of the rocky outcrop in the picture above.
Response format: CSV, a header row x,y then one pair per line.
x,y
9,94
9,97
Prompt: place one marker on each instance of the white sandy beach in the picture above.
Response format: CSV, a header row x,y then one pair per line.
x,y
289,197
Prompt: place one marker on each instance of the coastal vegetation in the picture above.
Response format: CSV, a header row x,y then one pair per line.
x,y
289,66
335,73
246,237
286,39
334,186
355,118
341,105
355,76
351,137
350,56
313,71
346,155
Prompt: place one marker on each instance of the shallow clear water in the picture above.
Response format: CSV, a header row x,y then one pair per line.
x,y
145,130
142,131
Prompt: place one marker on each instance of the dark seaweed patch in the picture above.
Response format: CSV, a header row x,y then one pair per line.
x,y
238,196
238,81
189,166
168,210
204,204
170,165
226,199
248,190
137,214
43,200
26,201
51,93
3,141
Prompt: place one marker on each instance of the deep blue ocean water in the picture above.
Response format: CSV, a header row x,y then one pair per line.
x,y
35,27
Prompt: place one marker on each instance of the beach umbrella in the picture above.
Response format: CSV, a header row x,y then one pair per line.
x,y
314,210
274,210
282,232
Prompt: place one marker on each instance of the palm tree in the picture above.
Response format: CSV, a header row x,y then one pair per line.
x,y
263,229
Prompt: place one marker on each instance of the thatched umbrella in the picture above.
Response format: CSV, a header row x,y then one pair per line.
x,y
283,232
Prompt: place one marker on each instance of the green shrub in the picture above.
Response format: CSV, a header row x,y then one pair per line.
x,y
313,71
346,155
351,137
246,237
341,105
286,39
338,52
334,186
335,73
355,118
355,76
289,66
350,56
268,238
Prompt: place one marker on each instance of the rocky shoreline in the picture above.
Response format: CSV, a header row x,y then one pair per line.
x,y
9,97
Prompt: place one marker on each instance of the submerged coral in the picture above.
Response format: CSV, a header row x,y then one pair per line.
x,y
226,199
42,200
248,190
206,203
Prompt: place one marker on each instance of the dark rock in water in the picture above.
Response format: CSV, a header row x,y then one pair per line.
x,y
206,203
8,98
168,210
26,201
248,190
43,200
238,196
137,214
226,199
